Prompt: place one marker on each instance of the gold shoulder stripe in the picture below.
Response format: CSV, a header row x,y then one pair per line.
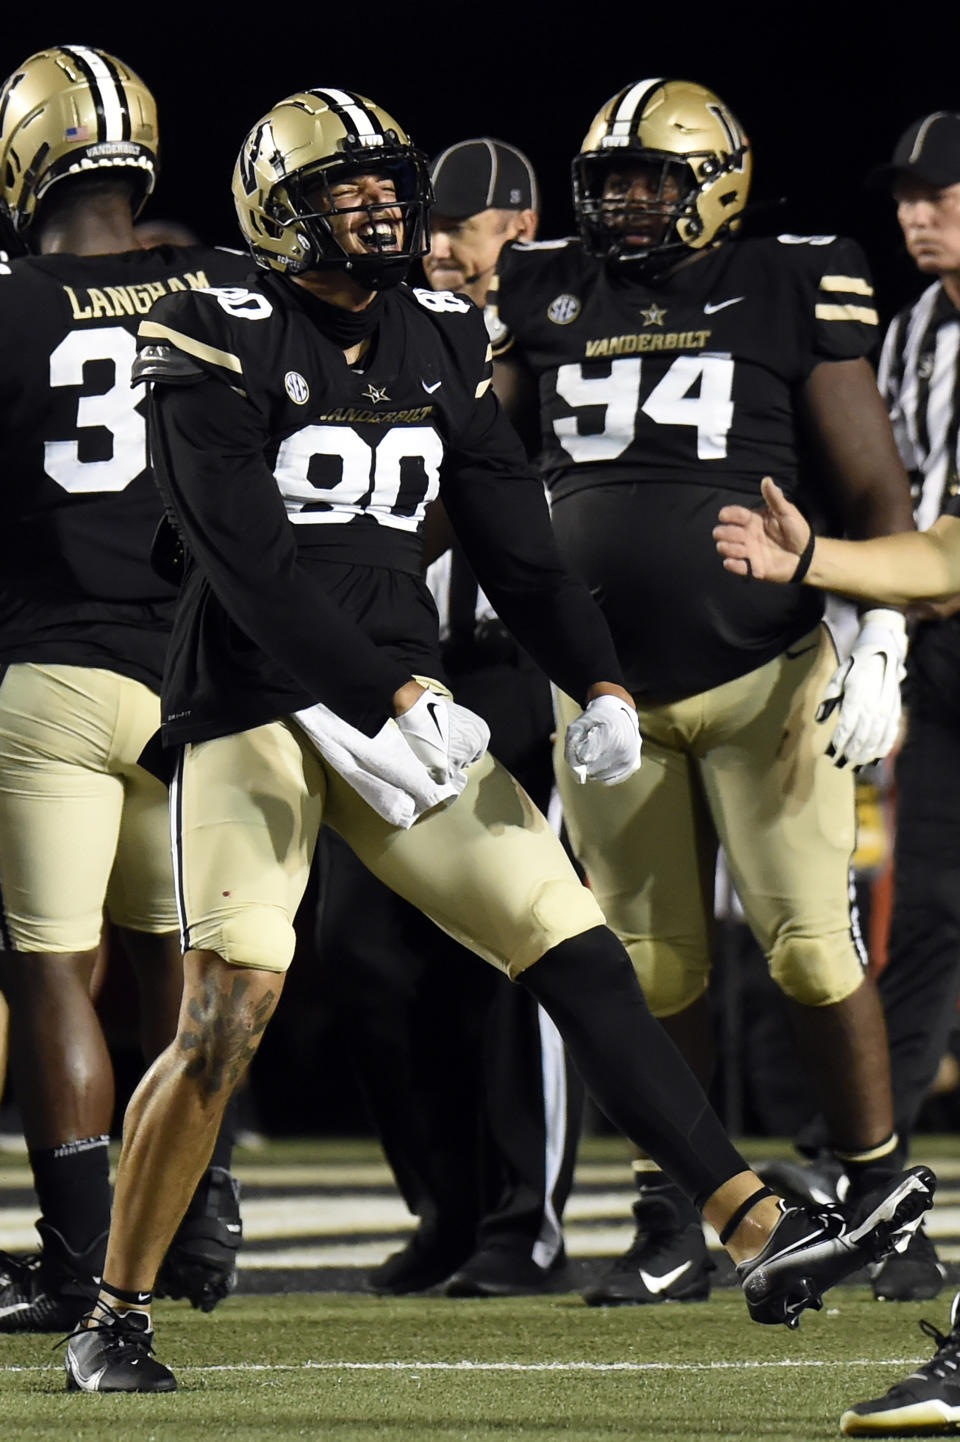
x,y
489,354
484,386
854,284
153,330
847,312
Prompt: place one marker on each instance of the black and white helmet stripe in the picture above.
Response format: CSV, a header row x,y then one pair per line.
x,y
357,119
632,103
106,88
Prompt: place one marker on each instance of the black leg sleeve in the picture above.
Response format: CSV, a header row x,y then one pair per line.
x,y
629,1064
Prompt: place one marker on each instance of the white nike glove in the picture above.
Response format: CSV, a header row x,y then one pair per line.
x,y
444,736
603,743
866,688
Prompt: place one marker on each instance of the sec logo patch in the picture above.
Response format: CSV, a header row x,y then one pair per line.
x,y
296,387
563,309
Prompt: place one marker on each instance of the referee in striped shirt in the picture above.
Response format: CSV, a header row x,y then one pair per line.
x,y
920,379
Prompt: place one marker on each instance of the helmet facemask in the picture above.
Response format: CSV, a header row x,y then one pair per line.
x,y
396,229
609,214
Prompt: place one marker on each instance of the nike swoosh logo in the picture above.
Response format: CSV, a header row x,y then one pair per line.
x,y
660,1284
434,710
14,1307
711,309
430,389
803,651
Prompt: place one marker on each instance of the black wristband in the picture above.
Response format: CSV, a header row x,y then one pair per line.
x,y
803,562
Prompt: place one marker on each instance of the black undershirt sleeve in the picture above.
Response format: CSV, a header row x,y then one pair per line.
x,y
207,447
498,509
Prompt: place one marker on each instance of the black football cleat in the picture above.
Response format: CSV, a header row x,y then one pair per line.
x,y
505,1271
201,1262
426,1260
667,1261
913,1275
50,1290
925,1404
810,1250
821,1182
115,1354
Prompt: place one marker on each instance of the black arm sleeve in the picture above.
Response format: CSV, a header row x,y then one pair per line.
x,y
206,444
499,511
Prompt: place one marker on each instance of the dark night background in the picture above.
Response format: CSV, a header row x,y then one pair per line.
x,y
822,90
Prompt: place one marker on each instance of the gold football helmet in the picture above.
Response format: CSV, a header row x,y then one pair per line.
x,y
689,143
71,111
305,144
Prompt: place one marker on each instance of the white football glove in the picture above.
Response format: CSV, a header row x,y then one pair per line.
x,y
866,688
444,736
603,743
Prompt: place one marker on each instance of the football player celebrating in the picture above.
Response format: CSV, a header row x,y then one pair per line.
x,y
299,428
83,628
676,366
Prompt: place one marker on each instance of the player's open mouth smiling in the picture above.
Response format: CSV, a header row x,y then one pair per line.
x,y
380,235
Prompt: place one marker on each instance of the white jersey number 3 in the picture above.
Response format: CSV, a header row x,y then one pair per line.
x,y
672,402
113,410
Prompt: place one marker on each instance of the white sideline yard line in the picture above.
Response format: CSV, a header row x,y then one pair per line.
x,y
783,1363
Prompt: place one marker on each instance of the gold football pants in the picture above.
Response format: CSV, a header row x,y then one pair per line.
x,y
247,810
744,764
82,826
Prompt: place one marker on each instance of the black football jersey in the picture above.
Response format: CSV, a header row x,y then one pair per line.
x,y
662,402
79,506
299,487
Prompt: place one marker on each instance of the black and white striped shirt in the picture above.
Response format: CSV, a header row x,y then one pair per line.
x,y
920,381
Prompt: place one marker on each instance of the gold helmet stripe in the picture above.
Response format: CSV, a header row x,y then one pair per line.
x,y
635,99
113,114
354,114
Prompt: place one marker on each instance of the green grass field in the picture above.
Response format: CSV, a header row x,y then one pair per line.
x,y
363,1369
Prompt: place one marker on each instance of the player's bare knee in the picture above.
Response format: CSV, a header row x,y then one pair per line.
x,y
816,971
671,977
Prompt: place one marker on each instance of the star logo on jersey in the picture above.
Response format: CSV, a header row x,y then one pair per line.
x,y
653,314
374,394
